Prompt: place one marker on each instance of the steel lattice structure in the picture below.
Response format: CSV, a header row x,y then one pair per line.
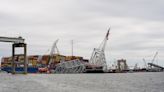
x,y
73,66
98,55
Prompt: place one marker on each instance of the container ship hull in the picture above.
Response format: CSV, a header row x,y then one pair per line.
x,y
20,69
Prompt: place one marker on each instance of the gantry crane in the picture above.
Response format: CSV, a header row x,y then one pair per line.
x,y
98,55
17,42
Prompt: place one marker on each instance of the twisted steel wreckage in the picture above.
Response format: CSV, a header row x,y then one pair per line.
x,y
54,62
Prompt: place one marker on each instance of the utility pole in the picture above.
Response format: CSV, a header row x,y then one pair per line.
x,y
72,46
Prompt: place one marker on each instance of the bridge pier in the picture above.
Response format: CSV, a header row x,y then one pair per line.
x,y
14,55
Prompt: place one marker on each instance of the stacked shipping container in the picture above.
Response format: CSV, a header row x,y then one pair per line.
x,y
37,61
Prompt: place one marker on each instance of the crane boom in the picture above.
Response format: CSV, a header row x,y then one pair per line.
x,y
145,63
154,57
53,52
53,48
103,44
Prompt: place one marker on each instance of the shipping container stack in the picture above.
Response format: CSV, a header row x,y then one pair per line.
x,y
39,61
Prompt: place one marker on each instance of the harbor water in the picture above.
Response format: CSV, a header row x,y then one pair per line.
x,y
118,82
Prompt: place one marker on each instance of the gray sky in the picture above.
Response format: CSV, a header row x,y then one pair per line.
x,y
137,27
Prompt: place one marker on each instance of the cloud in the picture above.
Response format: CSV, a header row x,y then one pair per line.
x,y
142,9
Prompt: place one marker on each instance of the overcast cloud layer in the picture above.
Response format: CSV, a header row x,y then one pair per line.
x,y
137,27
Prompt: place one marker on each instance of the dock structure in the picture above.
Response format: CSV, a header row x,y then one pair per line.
x,y
17,43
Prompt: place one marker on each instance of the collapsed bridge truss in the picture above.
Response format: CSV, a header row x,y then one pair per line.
x,y
73,66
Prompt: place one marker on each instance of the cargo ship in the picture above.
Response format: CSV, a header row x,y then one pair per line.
x,y
20,69
6,64
36,63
